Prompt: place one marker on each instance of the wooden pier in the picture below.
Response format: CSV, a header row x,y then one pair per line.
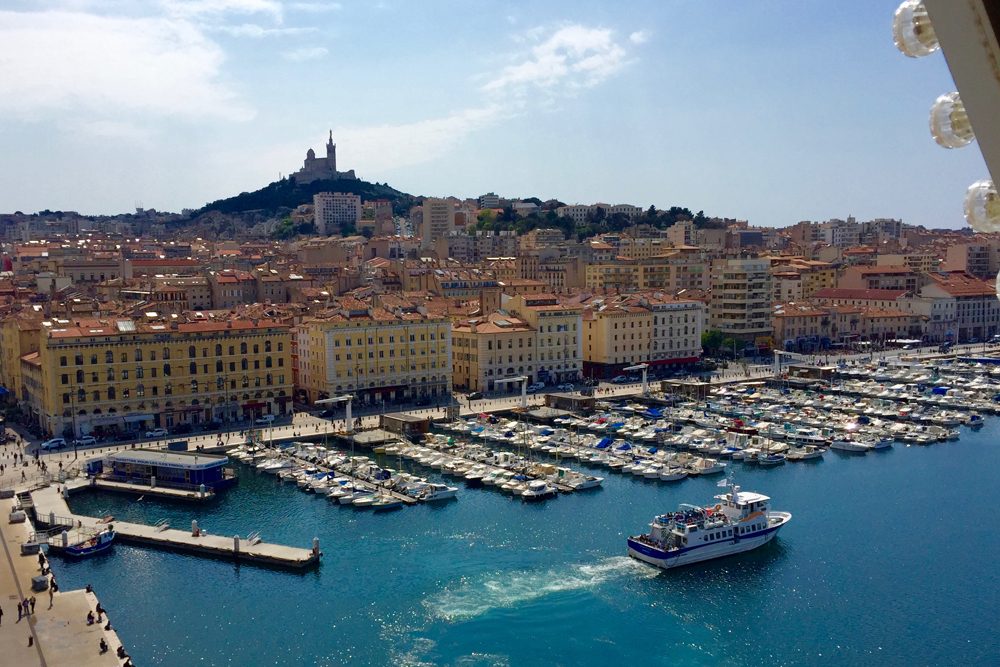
x,y
52,512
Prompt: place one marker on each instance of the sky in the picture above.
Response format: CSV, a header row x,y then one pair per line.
x,y
773,111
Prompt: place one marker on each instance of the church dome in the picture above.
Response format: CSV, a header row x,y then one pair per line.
x,y
310,154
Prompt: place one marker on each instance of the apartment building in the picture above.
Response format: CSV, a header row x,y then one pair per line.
x,y
114,375
335,211
740,303
374,354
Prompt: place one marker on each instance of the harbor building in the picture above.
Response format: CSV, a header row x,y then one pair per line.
x,y
171,469
653,328
374,353
106,376
533,335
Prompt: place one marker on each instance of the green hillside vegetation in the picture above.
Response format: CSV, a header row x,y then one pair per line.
x,y
597,221
287,194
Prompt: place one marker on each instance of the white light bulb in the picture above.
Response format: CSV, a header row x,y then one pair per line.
x,y
982,207
950,125
912,30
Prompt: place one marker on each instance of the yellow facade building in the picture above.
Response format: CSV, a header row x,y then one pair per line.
x,y
107,376
374,354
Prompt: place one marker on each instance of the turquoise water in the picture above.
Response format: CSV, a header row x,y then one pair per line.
x,y
889,560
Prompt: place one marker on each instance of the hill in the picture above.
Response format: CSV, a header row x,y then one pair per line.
x,y
287,194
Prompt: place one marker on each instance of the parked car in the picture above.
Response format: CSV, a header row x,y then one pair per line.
x,y
211,426
326,414
54,443
587,391
535,386
266,420
85,441
475,395
619,379
566,386
157,433
180,429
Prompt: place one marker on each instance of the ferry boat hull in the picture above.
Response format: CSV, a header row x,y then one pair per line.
x,y
702,552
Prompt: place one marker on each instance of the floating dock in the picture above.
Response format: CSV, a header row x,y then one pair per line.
x,y
52,512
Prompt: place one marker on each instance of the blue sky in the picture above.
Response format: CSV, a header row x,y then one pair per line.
x,y
773,111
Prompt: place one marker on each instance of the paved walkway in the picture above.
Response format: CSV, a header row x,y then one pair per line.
x,y
56,636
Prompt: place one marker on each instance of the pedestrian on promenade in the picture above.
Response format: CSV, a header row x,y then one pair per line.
x,y
25,607
20,612
103,645
32,603
1,615
100,612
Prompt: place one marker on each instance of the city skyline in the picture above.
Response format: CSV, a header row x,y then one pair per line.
x,y
773,114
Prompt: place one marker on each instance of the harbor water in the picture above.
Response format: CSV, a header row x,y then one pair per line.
x,y
888,560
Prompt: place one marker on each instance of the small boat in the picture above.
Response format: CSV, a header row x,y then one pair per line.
x,y
538,489
99,543
385,502
770,459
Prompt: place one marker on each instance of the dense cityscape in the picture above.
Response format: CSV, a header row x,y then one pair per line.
x,y
327,421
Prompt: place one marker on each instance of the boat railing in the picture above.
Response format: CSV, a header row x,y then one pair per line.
x,y
253,538
161,525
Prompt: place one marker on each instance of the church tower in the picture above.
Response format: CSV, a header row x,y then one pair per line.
x,y
331,154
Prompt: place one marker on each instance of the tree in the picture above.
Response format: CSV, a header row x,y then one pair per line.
x,y
711,341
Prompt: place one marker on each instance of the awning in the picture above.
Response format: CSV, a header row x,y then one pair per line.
x,y
131,419
101,420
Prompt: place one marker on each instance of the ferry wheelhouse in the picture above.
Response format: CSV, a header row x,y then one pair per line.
x,y
738,522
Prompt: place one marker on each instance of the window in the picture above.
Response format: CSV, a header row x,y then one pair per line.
x,y
192,353
267,346
111,393
93,359
218,366
93,376
111,375
65,398
166,354
125,374
232,350
124,357
138,354
244,364
64,378
218,350
281,347
96,395
192,368
140,390
139,372
125,393
246,382
168,390
267,362
220,383
243,348
166,370
78,360
194,386
62,361
256,382
281,362
109,357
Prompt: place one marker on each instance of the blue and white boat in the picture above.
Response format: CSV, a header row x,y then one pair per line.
x,y
100,542
740,521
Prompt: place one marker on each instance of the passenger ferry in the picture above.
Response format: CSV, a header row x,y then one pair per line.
x,y
739,522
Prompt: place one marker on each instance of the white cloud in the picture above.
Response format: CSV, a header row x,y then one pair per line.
x,y
254,30
314,7
574,56
110,129
305,53
639,37
65,62
215,8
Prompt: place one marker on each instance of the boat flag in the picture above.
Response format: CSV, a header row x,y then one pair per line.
x,y
724,482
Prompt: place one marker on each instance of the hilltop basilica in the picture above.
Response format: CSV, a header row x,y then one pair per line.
x,y
320,169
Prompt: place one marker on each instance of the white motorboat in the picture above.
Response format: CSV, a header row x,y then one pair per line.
x,y
673,474
538,489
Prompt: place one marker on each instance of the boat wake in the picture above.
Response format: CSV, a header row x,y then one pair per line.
x,y
475,597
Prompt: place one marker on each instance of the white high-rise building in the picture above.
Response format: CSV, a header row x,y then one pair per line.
x,y
437,222
332,211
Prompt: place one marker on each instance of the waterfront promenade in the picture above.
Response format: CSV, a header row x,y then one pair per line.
x,y
56,636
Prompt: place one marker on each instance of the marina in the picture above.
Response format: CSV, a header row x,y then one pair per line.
x,y
663,452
